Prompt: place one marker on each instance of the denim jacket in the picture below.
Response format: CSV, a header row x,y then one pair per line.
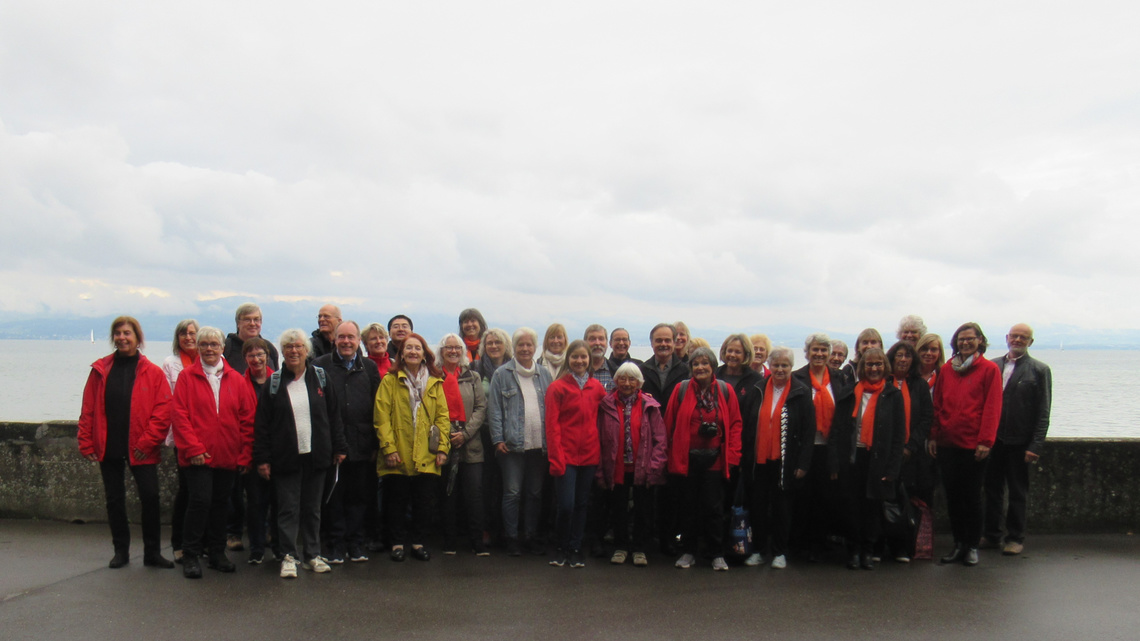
x,y
505,406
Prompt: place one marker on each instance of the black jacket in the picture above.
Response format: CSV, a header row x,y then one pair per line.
x,y
615,362
886,445
653,386
745,390
275,432
1025,403
356,392
921,413
321,345
232,353
799,437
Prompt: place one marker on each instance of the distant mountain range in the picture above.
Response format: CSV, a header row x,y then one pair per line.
x,y
280,316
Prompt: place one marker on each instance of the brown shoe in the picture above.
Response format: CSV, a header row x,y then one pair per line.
x,y
1013,548
234,543
988,544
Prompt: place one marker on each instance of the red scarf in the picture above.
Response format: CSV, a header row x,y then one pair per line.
x,y
188,359
768,429
451,392
867,425
472,348
384,362
634,435
824,403
900,383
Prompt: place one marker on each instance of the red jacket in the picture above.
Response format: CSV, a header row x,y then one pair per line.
x,y
150,411
967,407
679,415
572,423
223,430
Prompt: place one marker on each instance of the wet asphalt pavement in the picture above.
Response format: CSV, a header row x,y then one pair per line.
x,y
55,584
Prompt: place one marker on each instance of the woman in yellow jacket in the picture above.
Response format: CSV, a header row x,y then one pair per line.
x,y
413,424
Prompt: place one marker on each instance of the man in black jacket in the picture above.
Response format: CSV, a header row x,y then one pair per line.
x,y
328,319
665,370
355,379
1027,394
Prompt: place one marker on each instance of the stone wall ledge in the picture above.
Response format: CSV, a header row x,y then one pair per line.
x,y
1079,486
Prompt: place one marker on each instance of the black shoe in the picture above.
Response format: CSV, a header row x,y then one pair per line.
x,y
536,548
576,559
970,558
598,551
121,558
421,554
853,561
559,559
191,568
956,556
375,545
867,562
256,557
397,554
480,549
513,548
156,560
219,562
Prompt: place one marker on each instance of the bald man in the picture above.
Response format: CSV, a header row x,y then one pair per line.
x,y
1027,394
328,319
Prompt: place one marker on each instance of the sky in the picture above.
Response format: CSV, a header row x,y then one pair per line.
x,y
733,164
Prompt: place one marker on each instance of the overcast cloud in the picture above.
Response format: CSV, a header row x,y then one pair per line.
x,y
735,164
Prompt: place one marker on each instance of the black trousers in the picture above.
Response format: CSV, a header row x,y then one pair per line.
x,y
113,471
962,479
1006,469
620,513
208,492
771,508
815,506
465,503
702,511
261,510
402,491
178,516
864,514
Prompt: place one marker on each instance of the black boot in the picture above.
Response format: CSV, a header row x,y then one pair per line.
x,y
956,556
121,558
219,562
156,560
191,568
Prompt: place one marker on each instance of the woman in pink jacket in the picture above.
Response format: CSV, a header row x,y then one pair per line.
x,y
572,447
634,450
213,414
125,417
967,408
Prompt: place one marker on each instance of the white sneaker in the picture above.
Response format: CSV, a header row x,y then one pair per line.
x,y
719,565
288,567
685,562
754,560
619,557
640,560
779,563
316,565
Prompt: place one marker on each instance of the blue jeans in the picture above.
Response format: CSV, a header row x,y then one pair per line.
x,y
573,491
523,473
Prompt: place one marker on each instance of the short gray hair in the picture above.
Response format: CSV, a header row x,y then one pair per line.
x,y
523,332
463,360
594,328
911,321
782,352
816,338
181,328
206,333
705,353
630,369
293,336
245,309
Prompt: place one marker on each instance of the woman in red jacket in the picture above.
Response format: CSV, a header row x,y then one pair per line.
x,y
967,408
213,414
703,421
125,417
572,447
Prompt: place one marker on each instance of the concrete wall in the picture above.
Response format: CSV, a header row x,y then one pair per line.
x,y
1080,485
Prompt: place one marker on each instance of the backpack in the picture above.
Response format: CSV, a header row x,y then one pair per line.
x,y
275,380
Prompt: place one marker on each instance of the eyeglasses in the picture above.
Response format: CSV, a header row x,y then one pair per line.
x,y
293,347
210,345
254,320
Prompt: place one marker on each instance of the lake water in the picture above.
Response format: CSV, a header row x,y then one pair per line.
x,y
1095,394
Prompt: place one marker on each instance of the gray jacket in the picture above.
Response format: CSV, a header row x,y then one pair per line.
x,y
1026,403
505,406
475,408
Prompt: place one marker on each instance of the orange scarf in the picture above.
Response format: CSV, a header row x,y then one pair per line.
x,y
472,348
824,403
901,384
188,359
867,425
768,432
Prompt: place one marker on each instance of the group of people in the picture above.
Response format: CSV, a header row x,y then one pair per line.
x,y
359,440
